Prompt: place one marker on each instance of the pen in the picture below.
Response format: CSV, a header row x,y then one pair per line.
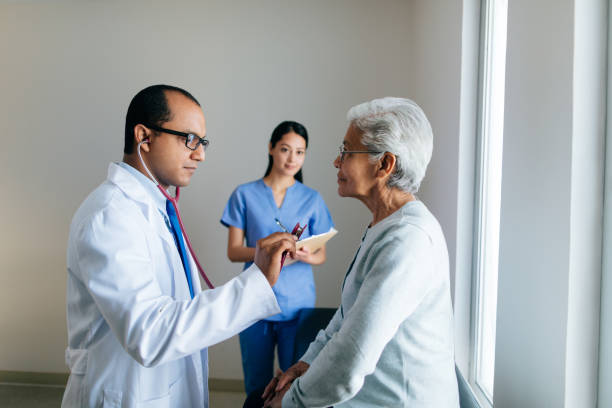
x,y
281,225
297,231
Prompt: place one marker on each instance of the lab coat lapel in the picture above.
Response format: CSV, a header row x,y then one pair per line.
x,y
133,189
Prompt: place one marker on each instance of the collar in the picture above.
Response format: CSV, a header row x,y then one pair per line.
x,y
136,185
149,186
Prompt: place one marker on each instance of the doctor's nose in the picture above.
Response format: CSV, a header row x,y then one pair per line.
x,y
198,154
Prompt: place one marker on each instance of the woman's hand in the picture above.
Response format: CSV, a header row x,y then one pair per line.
x,y
276,400
314,258
282,381
303,255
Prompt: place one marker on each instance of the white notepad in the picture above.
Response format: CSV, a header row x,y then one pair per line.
x,y
313,243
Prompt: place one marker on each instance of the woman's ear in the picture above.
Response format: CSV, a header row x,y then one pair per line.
x,y
387,164
270,148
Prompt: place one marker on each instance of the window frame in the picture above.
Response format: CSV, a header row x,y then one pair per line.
x,y
480,190
605,334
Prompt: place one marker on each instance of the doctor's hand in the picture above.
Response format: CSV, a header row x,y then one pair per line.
x,y
269,252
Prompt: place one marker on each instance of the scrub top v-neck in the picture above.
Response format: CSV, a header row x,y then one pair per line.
x,y
252,208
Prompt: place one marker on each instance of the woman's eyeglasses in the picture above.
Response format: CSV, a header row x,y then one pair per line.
x,y
343,151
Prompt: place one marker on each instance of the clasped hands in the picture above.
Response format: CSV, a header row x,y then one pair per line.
x,y
280,384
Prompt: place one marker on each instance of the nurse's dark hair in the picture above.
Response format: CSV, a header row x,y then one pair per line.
x,y
149,107
281,130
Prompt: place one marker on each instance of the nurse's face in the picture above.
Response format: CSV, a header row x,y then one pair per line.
x,y
288,154
170,161
356,175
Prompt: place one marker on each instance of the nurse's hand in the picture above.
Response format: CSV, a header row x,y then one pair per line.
x,y
269,252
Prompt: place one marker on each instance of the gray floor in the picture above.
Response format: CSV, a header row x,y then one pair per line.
x,y
28,396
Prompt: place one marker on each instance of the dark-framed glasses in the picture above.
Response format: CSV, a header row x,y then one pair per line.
x,y
192,142
343,151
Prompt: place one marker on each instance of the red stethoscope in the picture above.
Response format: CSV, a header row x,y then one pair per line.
x,y
174,200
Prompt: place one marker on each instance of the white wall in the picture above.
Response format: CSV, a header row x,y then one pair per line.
x,y
436,35
69,70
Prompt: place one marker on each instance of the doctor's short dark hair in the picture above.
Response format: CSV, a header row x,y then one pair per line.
x,y
149,107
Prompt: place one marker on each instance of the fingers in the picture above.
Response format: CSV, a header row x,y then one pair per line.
x,y
273,246
305,250
271,385
272,238
276,399
283,380
293,372
269,253
269,391
280,247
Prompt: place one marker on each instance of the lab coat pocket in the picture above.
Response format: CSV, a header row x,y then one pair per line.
x,y
112,399
172,399
163,402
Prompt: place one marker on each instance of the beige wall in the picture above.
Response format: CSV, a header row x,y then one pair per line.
x,y
69,70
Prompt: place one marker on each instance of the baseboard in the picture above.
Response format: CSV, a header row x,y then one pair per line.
x,y
25,377
55,379
227,385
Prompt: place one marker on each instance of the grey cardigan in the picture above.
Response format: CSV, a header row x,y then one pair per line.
x,y
390,344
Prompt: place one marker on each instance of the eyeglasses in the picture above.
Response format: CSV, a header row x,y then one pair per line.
x,y
192,142
343,152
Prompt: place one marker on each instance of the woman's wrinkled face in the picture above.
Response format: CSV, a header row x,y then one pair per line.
x,y
356,175
288,154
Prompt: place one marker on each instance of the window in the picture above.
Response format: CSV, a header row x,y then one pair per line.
x,y
605,340
488,194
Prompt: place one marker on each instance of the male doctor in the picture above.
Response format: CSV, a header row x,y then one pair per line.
x,y
138,321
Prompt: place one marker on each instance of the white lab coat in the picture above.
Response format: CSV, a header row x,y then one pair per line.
x,y
135,338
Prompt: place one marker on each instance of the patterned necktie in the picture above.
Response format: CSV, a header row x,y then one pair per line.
x,y
178,238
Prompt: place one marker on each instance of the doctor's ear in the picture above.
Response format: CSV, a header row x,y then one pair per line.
x,y
141,136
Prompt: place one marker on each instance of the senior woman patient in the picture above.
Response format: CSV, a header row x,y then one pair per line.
x,y
390,343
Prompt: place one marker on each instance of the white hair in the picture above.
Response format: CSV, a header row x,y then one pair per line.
x,y
398,126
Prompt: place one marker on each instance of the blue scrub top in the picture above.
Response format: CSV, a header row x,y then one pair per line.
x,y
252,208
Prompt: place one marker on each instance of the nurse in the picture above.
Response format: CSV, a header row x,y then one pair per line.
x,y
138,321
259,208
